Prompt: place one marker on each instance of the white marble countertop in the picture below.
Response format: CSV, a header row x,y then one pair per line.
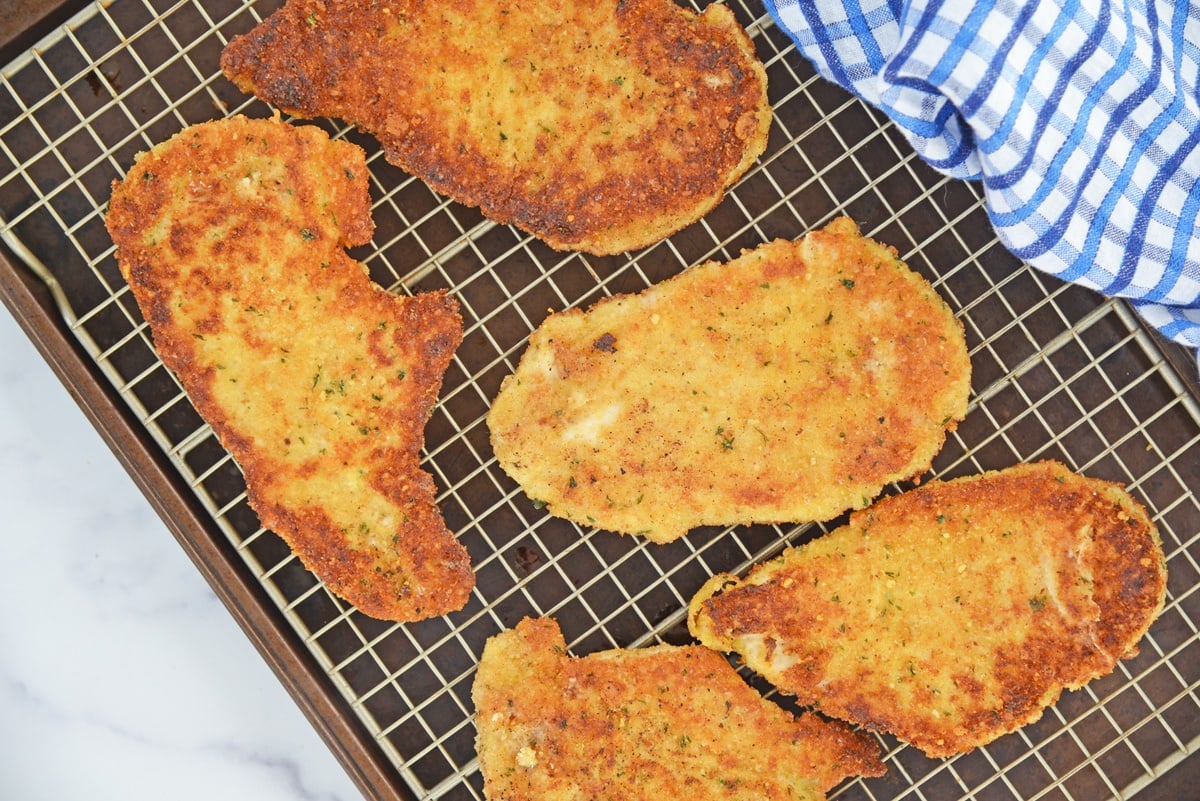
x,y
121,674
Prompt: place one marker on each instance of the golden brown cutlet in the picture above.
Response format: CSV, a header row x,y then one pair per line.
x,y
789,384
601,126
662,722
954,613
319,383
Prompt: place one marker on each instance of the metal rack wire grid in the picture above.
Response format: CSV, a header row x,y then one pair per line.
x,y
1058,372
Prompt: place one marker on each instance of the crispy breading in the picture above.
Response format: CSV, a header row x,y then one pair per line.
x,y
319,383
954,613
663,722
790,384
601,126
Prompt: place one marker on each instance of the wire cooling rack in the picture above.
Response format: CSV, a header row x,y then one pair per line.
x,y
1058,373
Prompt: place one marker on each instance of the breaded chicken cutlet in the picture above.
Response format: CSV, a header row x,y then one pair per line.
x,y
601,126
318,382
663,722
790,384
954,613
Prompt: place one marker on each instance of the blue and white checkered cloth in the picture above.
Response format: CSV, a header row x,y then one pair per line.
x,y
1081,119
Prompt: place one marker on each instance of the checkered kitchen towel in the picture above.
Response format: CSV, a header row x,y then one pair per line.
x,y
1080,117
